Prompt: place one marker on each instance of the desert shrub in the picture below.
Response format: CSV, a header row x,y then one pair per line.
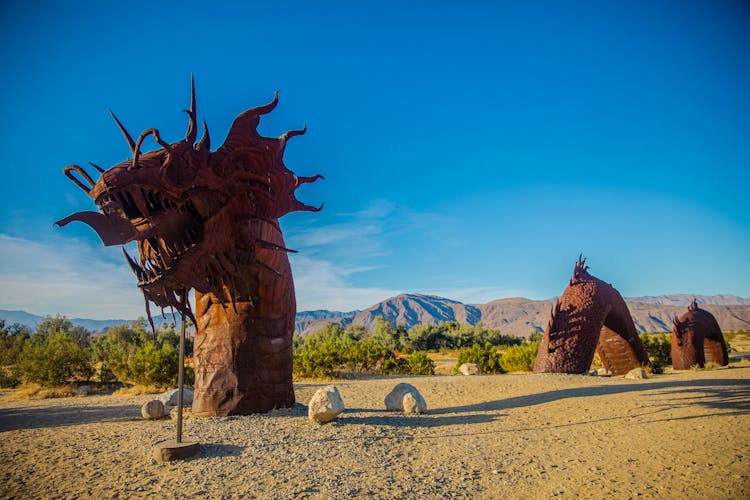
x,y
105,375
420,364
393,339
334,349
659,349
53,358
425,337
9,378
486,356
452,335
12,339
397,366
154,364
519,358
132,353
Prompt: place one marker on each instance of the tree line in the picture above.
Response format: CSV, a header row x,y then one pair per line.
x,y
58,352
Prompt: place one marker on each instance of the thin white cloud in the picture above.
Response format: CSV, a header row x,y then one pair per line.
x,y
321,284
66,276
355,242
81,279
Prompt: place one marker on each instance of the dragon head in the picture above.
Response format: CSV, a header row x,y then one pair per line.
x,y
193,213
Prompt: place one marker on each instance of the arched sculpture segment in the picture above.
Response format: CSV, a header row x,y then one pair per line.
x,y
208,221
590,317
697,340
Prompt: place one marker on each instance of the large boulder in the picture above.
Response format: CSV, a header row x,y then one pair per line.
x,y
153,410
405,397
169,398
325,405
469,369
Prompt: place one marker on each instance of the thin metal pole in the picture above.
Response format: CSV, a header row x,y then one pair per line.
x,y
180,379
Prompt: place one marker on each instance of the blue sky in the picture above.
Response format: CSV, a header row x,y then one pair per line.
x,y
470,150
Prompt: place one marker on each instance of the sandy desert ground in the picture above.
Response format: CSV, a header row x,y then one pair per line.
x,y
680,435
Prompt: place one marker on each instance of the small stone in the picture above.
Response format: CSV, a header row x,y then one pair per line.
x,y
637,374
600,372
469,369
325,405
153,410
396,399
169,398
186,412
83,390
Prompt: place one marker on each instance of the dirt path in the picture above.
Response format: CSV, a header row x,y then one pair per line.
x,y
682,435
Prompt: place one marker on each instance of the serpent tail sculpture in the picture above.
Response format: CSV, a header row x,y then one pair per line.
x,y
208,221
590,317
697,340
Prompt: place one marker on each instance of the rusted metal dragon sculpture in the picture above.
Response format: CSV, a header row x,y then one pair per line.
x,y
208,221
590,317
697,340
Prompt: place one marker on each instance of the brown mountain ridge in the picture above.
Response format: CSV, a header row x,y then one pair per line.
x,y
520,316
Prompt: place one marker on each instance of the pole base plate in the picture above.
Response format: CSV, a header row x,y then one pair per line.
x,y
169,450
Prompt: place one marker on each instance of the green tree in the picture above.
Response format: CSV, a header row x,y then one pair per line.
x,y
53,359
385,335
129,353
535,336
12,339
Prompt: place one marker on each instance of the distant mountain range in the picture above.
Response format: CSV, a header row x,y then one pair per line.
x,y
521,317
514,316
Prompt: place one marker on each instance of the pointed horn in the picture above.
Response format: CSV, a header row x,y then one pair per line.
x,y
308,180
205,143
267,108
283,138
125,133
192,131
244,129
100,169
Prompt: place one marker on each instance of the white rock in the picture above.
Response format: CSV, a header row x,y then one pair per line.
x,y
469,369
405,397
325,405
83,390
169,398
412,405
153,410
600,372
637,374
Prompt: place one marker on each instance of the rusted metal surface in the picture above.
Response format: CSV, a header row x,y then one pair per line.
x,y
590,317
697,340
208,221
